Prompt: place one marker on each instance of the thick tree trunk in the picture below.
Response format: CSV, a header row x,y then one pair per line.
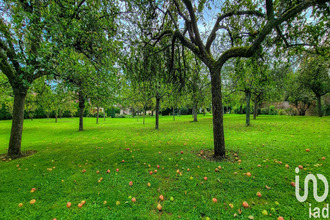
x,y
241,109
81,111
97,114
195,112
255,108
218,131
56,117
15,141
247,109
157,112
319,106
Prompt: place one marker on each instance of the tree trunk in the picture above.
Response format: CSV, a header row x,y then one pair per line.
x,y
173,114
241,109
179,112
144,115
218,131
81,111
157,112
104,114
15,141
247,110
97,114
195,113
56,117
319,106
255,108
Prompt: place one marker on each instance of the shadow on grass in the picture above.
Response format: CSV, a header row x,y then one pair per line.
x,y
5,157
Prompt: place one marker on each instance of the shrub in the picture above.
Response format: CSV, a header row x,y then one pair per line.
x,y
272,110
264,111
282,112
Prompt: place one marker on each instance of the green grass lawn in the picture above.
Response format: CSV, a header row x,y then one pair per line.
x,y
100,147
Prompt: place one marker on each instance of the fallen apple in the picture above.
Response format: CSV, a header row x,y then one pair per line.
x,y
171,199
130,183
293,184
117,170
300,167
148,184
245,204
133,199
214,200
20,204
68,204
32,201
264,212
80,205
108,171
248,174
83,171
307,150
259,194
161,197
117,203
181,152
159,207
287,166
280,218
323,158
97,172
158,166
205,178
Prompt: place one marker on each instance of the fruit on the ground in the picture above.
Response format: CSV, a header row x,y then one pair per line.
x,y
158,166
20,204
300,167
323,158
123,161
133,199
105,202
216,169
84,171
231,205
150,172
117,203
68,204
287,166
259,194
161,197
280,218
80,205
181,152
130,183
264,212
293,184
171,199
205,178
159,207
276,203
214,200
307,150
248,174
83,202
108,171
32,201
259,165
245,204
97,171
148,184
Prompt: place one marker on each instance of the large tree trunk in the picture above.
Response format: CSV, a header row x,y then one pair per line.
x,y
247,110
81,111
157,112
15,141
97,114
241,109
319,106
195,112
173,114
255,109
56,117
218,131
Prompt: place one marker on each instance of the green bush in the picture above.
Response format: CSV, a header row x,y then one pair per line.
x,y
264,111
282,112
272,110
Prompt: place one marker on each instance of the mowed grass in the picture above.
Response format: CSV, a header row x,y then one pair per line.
x,y
101,147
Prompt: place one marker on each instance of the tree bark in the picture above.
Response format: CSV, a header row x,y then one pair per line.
x,y
56,117
319,106
104,114
15,141
173,114
247,110
195,112
144,115
157,112
81,111
218,131
97,114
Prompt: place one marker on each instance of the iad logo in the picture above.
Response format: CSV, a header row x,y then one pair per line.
x,y
316,211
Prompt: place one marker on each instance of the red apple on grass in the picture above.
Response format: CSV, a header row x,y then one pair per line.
x,y
259,194
245,204
68,204
214,200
